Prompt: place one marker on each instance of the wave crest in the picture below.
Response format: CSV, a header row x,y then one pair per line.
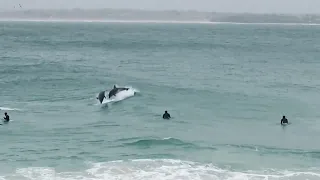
x,y
9,109
159,142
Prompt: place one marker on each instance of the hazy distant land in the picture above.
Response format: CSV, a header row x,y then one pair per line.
x,y
144,15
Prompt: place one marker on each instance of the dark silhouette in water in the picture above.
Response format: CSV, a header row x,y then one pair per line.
x,y
166,115
284,120
6,117
101,96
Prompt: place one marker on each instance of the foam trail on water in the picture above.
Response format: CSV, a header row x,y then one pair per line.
x,y
9,109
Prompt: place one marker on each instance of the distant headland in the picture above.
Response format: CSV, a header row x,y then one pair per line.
x,y
146,15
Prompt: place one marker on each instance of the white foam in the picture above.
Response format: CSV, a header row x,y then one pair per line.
x,y
157,169
8,109
36,173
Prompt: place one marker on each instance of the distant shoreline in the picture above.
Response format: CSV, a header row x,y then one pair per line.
x,y
146,16
149,22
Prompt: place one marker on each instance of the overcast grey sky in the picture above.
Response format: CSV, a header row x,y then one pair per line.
x,y
269,6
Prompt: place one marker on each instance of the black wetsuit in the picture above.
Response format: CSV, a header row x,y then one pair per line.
x,y
166,116
284,121
6,118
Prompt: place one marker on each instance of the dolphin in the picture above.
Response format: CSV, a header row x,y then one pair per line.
x,y
116,90
101,96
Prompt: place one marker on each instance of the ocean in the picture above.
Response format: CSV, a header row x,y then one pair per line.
x,y
226,87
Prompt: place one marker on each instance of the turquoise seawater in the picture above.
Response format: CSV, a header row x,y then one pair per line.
x,y
226,87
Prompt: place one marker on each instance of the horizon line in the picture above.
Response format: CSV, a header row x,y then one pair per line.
x,y
150,22
151,10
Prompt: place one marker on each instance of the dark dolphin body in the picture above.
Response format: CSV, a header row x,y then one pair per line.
x,y
116,90
101,96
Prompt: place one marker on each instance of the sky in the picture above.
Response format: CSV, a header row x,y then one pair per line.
x,y
253,6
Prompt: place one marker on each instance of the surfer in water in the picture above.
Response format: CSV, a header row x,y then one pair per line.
x,y
284,120
166,115
6,117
